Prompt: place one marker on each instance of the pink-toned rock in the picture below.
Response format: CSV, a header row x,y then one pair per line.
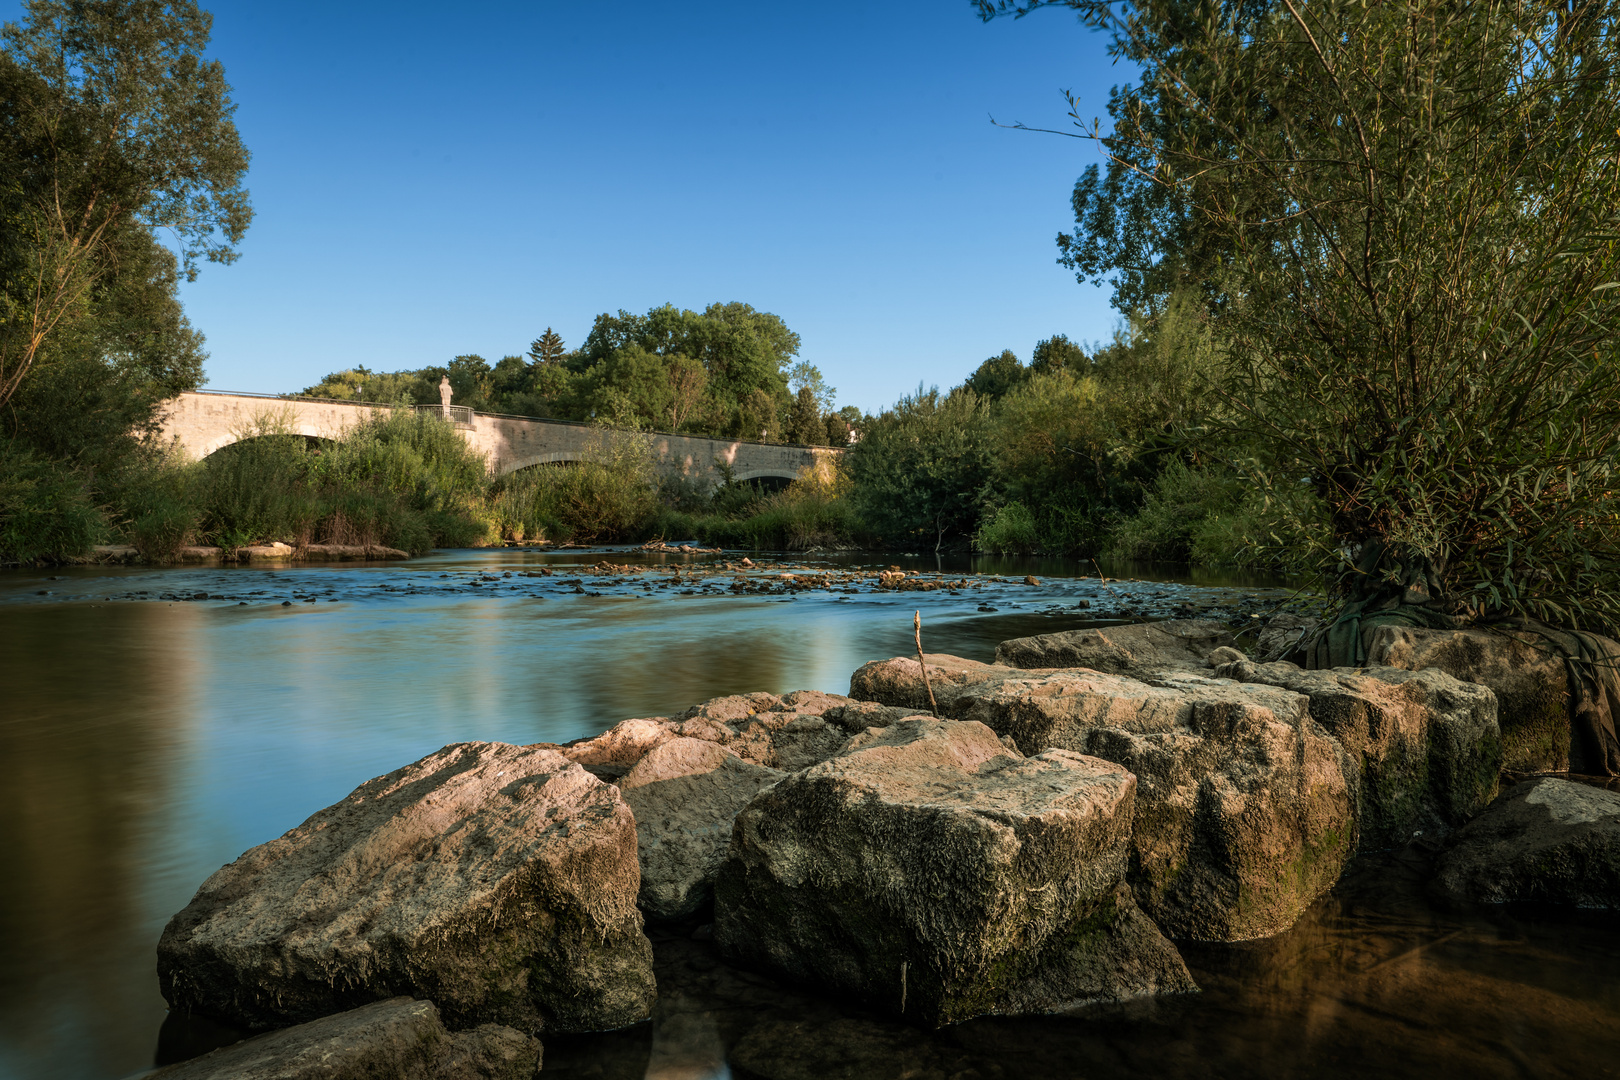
x,y
616,750
685,795
1529,680
498,881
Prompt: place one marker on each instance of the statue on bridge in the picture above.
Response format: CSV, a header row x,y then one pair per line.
x,y
444,394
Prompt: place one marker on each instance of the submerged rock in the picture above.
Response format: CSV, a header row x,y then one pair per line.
x,y
1245,810
1134,649
500,881
685,795
1428,745
1545,840
1529,680
930,872
397,1039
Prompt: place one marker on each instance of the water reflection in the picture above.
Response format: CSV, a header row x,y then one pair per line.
x,y
1372,981
88,802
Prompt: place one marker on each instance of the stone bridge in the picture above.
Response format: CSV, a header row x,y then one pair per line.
x,y
204,421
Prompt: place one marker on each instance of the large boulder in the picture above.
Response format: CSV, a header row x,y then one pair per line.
x,y
1134,649
1428,746
685,795
499,881
397,1039
1245,810
931,872
1545,840
1529,680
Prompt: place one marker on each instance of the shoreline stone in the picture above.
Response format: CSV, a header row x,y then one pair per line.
x,y
396,1039
686,777
1429,748
499,881
686,794
1133,649
931,872
1545,840
1531,684
1245,810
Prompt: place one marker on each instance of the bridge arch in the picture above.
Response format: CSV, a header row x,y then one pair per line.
x,y
312,438
558,457
774,473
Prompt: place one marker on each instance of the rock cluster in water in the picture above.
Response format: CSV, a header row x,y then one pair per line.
x,y
1075,807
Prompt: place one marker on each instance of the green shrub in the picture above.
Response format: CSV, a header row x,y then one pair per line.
x,y
255,490
610,496
1212,517
1012,531
160,533
46,512
814,511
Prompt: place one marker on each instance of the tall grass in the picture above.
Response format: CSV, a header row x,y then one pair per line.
x,y
814,511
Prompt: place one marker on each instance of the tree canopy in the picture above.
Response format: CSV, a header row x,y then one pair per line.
x,y
725,371
115,131
1402,220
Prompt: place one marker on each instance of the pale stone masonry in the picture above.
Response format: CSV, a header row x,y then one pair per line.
x,y
203,422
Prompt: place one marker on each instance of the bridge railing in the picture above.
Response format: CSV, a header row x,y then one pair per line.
x,y
459,415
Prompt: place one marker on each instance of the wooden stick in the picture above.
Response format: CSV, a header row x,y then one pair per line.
x,y
916,625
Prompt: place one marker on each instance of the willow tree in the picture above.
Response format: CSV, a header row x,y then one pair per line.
x,y
1404,218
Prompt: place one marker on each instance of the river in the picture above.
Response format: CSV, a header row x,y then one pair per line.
x,y
155,723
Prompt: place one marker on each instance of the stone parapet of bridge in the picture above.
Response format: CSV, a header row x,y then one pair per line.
x,y
201,422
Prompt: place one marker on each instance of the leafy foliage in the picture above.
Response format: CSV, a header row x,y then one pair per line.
x,y
112,126
724,372
1403,218
919,468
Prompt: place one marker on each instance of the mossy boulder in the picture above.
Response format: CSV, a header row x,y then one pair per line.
x,y
1133,649
931,872
498,881
1529,679
1427,744
1545,840
1245,809
397,1039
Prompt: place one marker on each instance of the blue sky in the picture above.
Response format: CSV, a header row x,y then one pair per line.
x,y
440,179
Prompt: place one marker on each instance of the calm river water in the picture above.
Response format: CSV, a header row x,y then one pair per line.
x,y
154,724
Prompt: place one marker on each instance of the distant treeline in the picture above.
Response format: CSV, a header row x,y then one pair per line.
x,y
1083,451
729,371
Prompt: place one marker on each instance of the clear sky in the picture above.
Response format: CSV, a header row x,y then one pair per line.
x,y
453,178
